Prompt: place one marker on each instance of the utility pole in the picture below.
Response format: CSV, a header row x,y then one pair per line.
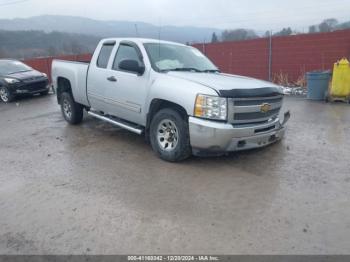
x,y
270,56
159,35
204,46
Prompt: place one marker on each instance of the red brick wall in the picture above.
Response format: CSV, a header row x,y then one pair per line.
x,y
291,55
44,64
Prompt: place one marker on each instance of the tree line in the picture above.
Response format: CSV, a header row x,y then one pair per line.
x,y
327,25
28,44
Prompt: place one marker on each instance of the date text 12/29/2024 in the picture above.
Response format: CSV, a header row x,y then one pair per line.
x,y
173,258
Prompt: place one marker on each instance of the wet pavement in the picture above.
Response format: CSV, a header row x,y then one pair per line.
x,y
96,189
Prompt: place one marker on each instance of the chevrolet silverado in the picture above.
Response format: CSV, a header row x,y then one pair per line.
x,y
174,95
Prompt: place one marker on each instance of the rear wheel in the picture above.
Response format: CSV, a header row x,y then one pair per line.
x,y
5,95
169,136
72,111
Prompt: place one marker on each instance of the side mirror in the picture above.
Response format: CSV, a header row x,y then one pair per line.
x,y
131,66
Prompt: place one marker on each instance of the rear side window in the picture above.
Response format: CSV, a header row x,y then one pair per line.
x,y
125,52
104,56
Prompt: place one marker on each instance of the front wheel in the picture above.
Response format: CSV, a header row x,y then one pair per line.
x,y
72,111
5,95
169,136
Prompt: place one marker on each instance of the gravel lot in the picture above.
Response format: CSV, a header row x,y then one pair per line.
x,y
96,189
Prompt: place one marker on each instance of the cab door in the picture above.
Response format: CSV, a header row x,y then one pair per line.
x,y
99,81
127,94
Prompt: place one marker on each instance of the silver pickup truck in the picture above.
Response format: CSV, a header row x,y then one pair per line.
x,y
174,95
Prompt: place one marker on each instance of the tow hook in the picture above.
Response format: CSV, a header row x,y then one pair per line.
x,y
286,118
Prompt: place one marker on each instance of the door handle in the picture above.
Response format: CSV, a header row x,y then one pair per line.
x,y
112,79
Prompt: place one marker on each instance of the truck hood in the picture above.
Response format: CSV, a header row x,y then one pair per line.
x,y
231,85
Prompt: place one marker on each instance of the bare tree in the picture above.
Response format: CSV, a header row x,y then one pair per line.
x,y
76,47
238,34
267,34
52,51
328,25
214,38
284,32
312,29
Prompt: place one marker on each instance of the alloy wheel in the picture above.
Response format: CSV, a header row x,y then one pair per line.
x,y
67,109
4,95
167,135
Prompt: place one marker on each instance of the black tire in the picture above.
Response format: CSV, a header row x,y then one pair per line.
x,y
171,153
5,95
45,93
72,112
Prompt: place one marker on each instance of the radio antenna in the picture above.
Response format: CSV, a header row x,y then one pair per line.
x,y
159,35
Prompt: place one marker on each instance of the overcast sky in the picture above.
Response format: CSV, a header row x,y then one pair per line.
x,y
255,14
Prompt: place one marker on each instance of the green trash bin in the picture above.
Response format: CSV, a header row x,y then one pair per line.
x,y
317,84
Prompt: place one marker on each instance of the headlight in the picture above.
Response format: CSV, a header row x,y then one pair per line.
x,y
211,107
11,80
44,75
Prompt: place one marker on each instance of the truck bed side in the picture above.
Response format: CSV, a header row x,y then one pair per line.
x,y
76,74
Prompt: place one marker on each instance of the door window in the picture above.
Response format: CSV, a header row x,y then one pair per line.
x,y
126,52
104,56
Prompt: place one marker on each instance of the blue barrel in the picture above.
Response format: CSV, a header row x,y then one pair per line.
x,y
317,85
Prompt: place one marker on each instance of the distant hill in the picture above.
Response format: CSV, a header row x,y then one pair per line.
x,y
27,44
79,25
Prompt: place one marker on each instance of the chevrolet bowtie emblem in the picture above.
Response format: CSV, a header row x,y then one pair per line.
x,y
264,108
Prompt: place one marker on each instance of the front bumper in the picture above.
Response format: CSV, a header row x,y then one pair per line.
x,y
28,92
210,136
30,88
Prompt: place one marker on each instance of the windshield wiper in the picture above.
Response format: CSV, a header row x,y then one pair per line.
x,y
183,69
211,71
191,69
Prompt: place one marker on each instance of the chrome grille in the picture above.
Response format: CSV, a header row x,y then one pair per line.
x,y
245,111
254,101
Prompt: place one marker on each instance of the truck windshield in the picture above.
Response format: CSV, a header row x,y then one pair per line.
x,y
8,67
171,57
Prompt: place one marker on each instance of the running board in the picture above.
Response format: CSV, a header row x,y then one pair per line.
x,y
115,122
